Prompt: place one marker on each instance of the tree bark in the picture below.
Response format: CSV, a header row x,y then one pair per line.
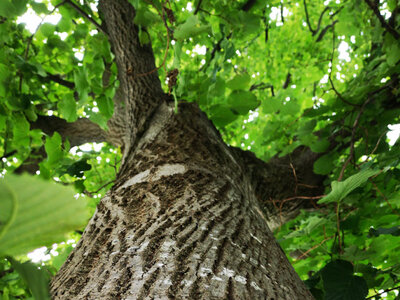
x,y
182,222
185,218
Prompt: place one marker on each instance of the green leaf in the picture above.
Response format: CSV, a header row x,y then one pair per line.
x,y
37,279
53,149
20,130
324,164
45,213
47,29
81,83
67,108
343,188
8,207
77,168
177,55
99,119
242,101
190,28
239,82
341,284
222,115
106,106
320,146
39,8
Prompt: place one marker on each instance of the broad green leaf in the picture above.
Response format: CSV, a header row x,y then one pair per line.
x,y
20,130
343,188
37,279
11,8
106,106
67,108
53,148
190,28
4,72
324,164
239,82
271,105
47,29
99,119
46,212
177,55
145,17
242,101
341,284
39,8
393,54
81,83
320,146
222,115
8,207
311,224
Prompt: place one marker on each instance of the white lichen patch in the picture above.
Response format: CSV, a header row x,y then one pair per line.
x,y
167,281
187,282
254,237
136,179
255,286
164,170
216,278
227,272
168,170
240,279
204,272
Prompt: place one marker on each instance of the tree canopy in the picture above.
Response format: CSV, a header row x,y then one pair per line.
x,y
273,76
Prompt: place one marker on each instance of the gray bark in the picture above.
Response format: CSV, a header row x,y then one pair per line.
x,y
182,222
187,216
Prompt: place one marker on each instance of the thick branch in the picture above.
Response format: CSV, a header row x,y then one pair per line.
x,y
58,79
289,177
141,94
384,24
79,132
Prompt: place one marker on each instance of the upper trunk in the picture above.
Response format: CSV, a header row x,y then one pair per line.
x,y
181,222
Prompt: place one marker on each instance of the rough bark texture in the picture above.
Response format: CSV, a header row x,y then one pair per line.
x,y
185,218
181,222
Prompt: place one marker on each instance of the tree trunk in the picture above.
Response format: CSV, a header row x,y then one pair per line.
x,y
181,222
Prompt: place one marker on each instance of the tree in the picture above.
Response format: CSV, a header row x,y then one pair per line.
x,y
187,214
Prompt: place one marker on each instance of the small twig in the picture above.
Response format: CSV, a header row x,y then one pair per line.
x,y
57,78
384,291
100,188
338,226
330,73
315,247
197,7
84,14
324,31
295,178
384,24
383,196
353,134
314,32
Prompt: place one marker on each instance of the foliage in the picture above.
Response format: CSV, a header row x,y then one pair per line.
x,y
269,82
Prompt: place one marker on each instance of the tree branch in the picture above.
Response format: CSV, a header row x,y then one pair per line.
x,y
85,15
79,132
324,31
197,7
384,24
58,79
